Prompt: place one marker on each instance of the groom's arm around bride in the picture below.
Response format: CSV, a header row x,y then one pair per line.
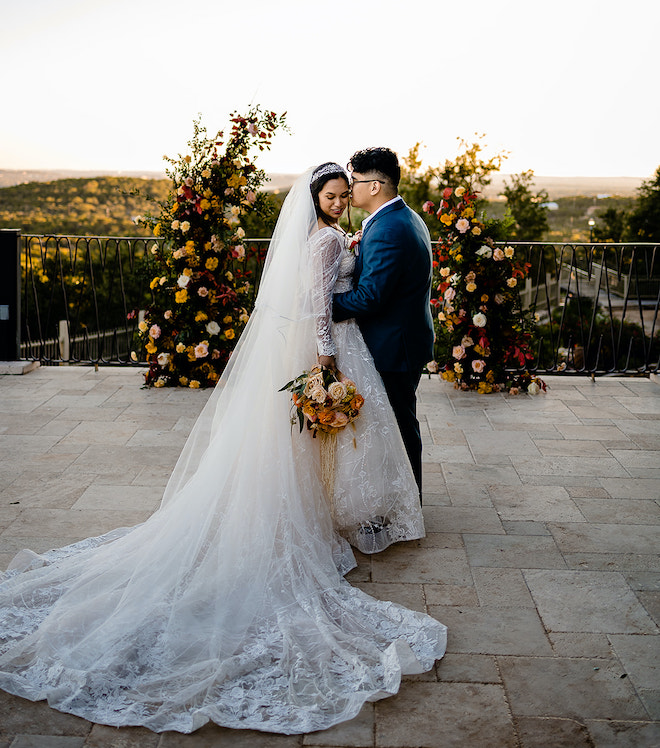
x,y
392,286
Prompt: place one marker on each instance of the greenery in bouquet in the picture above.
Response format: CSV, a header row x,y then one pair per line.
x,y
323,402
483,336
205,274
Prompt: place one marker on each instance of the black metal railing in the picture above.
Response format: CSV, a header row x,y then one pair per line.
x,y
596,304
83,297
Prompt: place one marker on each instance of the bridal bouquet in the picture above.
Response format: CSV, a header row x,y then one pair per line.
x,y
322,402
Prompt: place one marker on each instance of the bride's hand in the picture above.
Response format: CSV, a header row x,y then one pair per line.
x,y
328,362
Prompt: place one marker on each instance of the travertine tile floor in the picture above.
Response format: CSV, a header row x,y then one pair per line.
x,y
542,554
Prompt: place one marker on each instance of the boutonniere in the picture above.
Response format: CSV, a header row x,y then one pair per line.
x,y
354,242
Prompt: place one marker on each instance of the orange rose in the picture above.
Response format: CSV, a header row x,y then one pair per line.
x,y
326,417
339,420
309,412
357,402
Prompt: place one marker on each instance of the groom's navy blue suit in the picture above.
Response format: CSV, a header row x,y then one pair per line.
x,y
391,303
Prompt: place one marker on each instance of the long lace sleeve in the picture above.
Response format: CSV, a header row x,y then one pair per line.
x,y
326,248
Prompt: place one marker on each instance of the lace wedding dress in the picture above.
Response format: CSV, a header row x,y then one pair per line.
x,y
375,501
229,604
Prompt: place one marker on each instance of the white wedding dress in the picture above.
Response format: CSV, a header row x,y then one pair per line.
x,y
229,604
375,501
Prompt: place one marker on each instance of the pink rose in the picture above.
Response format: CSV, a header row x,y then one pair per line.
x,y
154,331
202,291
339,420
462,225
428,206
449,294
201,350
478,365
498,254
458,352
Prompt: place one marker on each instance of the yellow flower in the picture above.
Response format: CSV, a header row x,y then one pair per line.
x,y
157,230
187,271
446,219
476,230
484,298
150,347
448,376
154,282
181,296
459,258
485,388
159,382
470,287
201,317
180,347
230,334
512,282
228,319
229,276
183,381
194,384
468,213
458,368
204,204
143,326
211,263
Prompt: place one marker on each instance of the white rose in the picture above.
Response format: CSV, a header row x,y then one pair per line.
x,y
240,233
318,394
337,391
479,320
485,251
183,281
163,359
175,225
533,389
213,328
185,226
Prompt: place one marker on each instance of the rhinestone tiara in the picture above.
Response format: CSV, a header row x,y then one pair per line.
x,y
329,169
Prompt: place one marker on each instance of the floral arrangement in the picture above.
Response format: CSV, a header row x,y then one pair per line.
x,y
323,402
203,288
479,318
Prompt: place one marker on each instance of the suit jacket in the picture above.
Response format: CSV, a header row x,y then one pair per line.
x,y
392,290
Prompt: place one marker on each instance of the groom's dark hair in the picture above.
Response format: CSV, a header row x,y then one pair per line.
x,y
382,161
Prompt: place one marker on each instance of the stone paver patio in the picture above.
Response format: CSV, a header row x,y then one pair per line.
x,y
542,554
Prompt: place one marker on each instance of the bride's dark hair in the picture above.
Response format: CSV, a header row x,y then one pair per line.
x,y
320,177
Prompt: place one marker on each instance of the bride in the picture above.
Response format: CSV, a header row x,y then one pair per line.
x,y
229,604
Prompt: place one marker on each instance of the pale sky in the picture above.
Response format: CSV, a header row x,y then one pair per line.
x,y
569,87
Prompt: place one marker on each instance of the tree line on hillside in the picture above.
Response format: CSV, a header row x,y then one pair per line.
x,y
108,206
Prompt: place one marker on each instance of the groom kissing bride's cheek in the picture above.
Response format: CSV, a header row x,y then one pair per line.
x,y
391,292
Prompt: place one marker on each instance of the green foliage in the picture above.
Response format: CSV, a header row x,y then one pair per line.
x,y
203,290
103,206
644,220
611,225
526,207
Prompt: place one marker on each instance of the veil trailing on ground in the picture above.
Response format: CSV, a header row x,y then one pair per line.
x,y
229,603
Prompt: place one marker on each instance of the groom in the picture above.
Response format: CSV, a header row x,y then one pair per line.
x,y
392,289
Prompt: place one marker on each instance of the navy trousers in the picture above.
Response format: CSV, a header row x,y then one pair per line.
x,y
401,388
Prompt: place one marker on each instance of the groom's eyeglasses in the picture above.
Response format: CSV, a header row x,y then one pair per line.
x,y
360,181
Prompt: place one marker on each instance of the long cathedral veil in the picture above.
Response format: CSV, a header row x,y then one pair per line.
x,y
229,603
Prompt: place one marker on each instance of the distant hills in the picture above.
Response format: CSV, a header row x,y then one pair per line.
x,y
555,186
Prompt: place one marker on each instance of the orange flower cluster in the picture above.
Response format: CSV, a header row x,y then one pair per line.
x,y
322,402
481,326
203,287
